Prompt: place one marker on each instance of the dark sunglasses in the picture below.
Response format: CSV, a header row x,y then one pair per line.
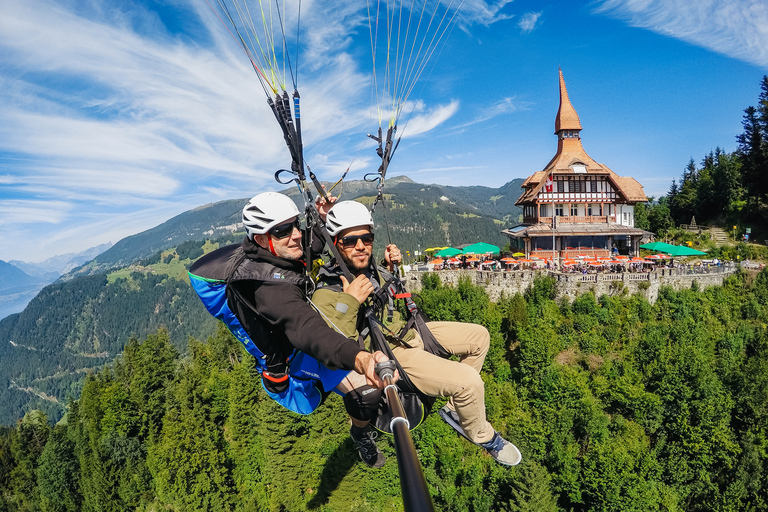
x,y
284,230
349,242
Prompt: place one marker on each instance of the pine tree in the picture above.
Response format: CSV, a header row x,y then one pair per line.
x,y
27,443
531,491
58,473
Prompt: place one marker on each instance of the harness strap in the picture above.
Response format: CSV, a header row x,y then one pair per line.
x,y
279,367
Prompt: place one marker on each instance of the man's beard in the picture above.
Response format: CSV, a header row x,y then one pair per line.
x,y
285,253
356,267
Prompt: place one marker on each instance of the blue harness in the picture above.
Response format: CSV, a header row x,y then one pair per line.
x,y
296,387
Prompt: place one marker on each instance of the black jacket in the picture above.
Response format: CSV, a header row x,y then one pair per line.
x,y
281,319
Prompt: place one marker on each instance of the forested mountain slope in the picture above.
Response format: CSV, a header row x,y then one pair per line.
x,y
81,324
615,404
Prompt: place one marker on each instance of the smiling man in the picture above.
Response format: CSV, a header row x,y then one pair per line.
x,y
351,226
258,288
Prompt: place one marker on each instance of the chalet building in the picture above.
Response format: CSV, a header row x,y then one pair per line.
x,y
576,206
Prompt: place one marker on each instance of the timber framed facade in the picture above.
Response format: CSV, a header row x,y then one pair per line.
x,y
576,206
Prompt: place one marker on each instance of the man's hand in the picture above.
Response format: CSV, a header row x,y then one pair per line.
x,y
360,288
392,256
323,206
365,363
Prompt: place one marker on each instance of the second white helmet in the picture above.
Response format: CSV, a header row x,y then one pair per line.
x,y
265,211
347,214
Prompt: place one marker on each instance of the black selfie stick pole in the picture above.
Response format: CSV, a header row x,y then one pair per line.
x,y
416,496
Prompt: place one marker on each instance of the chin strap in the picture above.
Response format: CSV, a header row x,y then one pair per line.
x,y
272,247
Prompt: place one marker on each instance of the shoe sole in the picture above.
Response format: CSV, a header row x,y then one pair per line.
x,y
449,420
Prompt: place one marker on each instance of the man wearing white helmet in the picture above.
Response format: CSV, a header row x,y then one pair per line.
x,y
351,226
258,288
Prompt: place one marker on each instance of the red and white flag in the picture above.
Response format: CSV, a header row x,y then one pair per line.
x,y
548,185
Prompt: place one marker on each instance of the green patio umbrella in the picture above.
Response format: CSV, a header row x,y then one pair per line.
x,y
681,250
447,252
481,248
656,246
672,250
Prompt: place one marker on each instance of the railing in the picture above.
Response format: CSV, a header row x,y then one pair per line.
x,y
572,219
570,253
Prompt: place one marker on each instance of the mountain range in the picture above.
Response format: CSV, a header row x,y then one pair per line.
x,y
83,320
20,281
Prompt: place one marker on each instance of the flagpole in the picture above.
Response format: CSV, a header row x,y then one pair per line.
x,y
554,225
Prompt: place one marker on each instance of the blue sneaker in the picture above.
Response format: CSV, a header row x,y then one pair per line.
x,y
503,451
500,449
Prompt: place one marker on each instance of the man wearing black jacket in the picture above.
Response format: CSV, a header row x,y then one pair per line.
x,y
299,356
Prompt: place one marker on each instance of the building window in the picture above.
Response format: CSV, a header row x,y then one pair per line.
x,y
560,186
559,210
576,185
574,210
592,186
579,168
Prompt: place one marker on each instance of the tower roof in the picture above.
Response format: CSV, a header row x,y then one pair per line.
x,y
567,118
571,156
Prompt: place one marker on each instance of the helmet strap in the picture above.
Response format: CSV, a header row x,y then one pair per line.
x,y
271,247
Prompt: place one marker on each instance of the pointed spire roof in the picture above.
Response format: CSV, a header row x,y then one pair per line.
x,y
567,118
570,153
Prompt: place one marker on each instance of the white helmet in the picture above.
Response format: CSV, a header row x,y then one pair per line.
x,y
267,210
347,214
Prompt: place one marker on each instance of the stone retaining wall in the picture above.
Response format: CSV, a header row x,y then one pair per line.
x,y
572,285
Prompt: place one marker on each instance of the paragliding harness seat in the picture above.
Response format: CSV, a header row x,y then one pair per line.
x,y
416,404
289,378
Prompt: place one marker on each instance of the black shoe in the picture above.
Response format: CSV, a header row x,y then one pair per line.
x,y
366,446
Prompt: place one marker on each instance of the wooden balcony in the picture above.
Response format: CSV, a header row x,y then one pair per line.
x,y
564,219
570,253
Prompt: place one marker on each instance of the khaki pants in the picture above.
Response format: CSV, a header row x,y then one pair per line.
x,y
435,376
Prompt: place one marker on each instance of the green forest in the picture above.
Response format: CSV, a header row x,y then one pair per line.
x,y
616,404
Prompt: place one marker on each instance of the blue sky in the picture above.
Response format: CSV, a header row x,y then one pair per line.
x,y
116,116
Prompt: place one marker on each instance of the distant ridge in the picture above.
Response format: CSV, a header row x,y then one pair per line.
x,y
219,219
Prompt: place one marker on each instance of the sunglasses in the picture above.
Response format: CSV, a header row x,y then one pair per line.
x,y
348,242
284,230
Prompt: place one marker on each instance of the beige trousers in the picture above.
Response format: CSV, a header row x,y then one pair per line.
x,y
460,381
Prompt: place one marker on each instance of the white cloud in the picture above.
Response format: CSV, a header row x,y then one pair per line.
x,y
429,119
503,106
484,13
115,120
528,21
736,28
14,211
